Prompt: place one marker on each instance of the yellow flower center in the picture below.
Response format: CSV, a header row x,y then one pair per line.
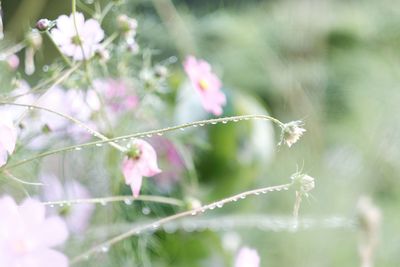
x,y
203,84
20,247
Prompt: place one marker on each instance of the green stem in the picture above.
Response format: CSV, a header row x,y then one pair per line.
x,y
154,225
147,134
128,199
66,60
74,120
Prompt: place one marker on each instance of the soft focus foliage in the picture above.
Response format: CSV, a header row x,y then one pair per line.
x,y
332,64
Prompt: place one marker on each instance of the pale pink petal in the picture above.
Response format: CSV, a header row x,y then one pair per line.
x,y
52,232
44,258
93,31
65,26
136,184
247,257
32,211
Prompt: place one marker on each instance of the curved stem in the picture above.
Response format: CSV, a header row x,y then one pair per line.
x,y
146,134
76,121
127,199
11,176
154,225
66,60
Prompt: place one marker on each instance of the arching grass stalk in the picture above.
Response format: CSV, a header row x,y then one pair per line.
x,y
147,134
154,225
41,86
76,121
126,199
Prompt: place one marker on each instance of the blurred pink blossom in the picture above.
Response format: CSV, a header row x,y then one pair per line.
x,y
27,236
247,257
206,83
77,216
140,161
117,94
69,102
8,138
13,61
173,162
65,36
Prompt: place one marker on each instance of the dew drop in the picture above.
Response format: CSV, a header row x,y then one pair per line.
x,y
103,202
78,148
146,210
214,122
193,213
243,197
99,145
235,199
195,126
104,249
155,226
211,207
264,191
235,120
51,206
45,68
61,204
149,135
201,124
256,193
159,134
128,201
286,188
182,129
220,205
224,122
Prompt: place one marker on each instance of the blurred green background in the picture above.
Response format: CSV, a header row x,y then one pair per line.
x,y
333,64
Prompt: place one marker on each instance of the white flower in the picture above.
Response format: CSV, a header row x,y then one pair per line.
x,y
72,44
247,257
291,132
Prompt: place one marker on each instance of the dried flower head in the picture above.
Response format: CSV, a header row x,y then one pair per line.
x,y
291,132
304,183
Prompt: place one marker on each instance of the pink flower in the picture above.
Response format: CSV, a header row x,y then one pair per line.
x,y
172,163
78,216
65,36
13,61
206,84
247,257
27,237
140,161
8,138
117,94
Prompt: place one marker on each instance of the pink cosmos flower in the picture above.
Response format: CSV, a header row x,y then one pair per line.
x,y
206,84
27,236
247,257
140,161
65,36
78,216
172,163
8,138
118,95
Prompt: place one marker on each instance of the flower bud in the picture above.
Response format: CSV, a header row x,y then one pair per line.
x,y
13,61
43,24
127,25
